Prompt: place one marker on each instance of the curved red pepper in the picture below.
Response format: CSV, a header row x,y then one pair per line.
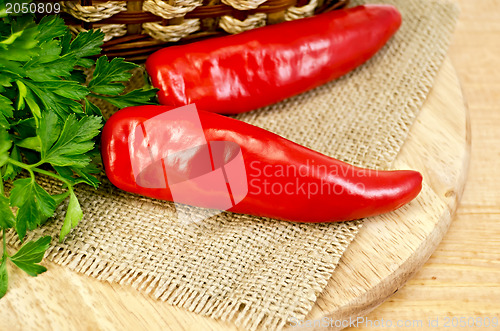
x,y
283,179
239,73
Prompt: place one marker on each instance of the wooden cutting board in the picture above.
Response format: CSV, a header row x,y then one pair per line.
x,y
388,250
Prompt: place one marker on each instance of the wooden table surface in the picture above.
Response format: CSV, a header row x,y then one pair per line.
x,y
462,277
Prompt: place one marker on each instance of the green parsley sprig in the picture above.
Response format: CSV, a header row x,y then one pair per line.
x,y
49,126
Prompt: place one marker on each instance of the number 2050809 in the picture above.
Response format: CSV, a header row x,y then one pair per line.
x,y
33,8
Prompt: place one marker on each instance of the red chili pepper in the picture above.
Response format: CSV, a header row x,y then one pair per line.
x,y
239,73
209,160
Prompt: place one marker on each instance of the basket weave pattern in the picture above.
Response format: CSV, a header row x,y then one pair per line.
x,y
134,28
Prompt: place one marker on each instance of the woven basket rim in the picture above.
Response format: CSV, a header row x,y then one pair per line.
x,y
134,44
204,11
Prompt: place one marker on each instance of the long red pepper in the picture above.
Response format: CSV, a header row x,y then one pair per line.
x,y
203,159
239,73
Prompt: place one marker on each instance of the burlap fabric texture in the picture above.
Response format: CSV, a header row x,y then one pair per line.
x,y
255,272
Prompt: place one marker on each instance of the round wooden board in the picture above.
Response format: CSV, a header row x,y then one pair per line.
x,y
384,255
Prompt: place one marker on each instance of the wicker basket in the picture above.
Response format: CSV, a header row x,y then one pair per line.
x,y
136,28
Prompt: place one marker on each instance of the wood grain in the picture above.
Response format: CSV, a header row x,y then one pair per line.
x,y
390,249
462,277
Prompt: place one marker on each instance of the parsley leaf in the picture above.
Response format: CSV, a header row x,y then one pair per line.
x,y
4,277
107,84
86,173
59,198
133,98
73,142
107,75
87,44
46,64
11,171
7,219
92,109
30,143
49,125
30,254
60,104
51,27
73,215
21,44
79,76
41,71
50,50
66,173
5,107
5,144
49,130
67,89
35,205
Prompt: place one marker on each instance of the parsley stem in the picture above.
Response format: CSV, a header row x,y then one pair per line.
x,y
34,165
4,251
19,164
51,174
100,96
32,168
24,165
1,185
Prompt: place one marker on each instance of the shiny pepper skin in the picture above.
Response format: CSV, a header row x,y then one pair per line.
x,y
257,68
283,180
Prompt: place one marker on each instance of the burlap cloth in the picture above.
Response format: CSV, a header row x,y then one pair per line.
x,y
256,272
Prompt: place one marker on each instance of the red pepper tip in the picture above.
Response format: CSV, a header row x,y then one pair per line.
x,y
412,185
